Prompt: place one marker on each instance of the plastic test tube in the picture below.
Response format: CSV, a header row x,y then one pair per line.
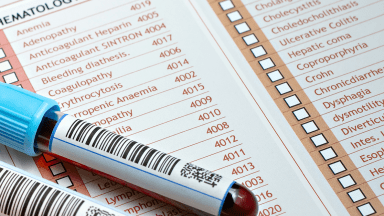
x,y
24,194
32,124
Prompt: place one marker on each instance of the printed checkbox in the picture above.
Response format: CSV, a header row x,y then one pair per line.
x,y
292,101
242,27
301,114
346,181
48,158
226,5
234,16
10,78
267,63
65,182
283,88
356,195
258,51
57,169
319,140
2,53
337,167
5,65
366,209
250,39
328,153
275,76
309,127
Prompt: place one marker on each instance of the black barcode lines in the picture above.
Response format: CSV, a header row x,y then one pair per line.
x,y
20,195
119,146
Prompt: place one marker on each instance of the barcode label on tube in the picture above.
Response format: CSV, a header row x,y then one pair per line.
x,y
24,194
117,145
20,195
138,164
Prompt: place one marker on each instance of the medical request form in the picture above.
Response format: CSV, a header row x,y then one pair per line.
x,y
281,96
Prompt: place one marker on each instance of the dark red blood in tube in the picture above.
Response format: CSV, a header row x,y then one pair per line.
x,y
240,201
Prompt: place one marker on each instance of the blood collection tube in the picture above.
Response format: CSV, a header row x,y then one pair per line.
x,y
24,194
32,124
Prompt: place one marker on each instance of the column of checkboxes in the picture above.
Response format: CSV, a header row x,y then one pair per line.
x,y
266,63
347,181
57,169
356,195
283,88
336,167
6,66
251,39
309,127
328,154
274,76
259,51
300,114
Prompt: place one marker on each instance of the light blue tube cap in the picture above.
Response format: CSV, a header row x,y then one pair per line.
x,y
21,113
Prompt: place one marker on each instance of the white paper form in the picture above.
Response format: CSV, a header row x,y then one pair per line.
x,y
146,70
320,63
6,3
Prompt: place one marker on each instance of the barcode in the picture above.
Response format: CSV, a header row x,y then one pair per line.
x,y
117,145
20,195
